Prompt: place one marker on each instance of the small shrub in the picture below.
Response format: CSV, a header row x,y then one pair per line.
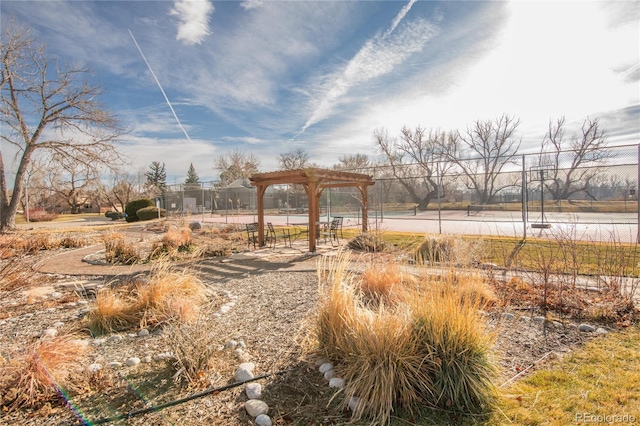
x,y
135,205
150,213
175,240
367,241
39,374
41,215
114,215
382,282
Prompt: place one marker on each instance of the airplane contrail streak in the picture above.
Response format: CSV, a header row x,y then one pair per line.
x,y
160,86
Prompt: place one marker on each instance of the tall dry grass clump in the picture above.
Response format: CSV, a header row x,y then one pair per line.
x,y
449,249
168,294
427,348
116,250
164,295
40,373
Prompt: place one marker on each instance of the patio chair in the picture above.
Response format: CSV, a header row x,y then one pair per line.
x,y
272,235
331,231
339,220
252,234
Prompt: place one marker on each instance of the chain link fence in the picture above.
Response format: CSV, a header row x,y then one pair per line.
x,y
536,189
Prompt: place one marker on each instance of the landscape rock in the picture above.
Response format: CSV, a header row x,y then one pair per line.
x,y
114,364
325,367
231,344
508,316
132,361
143,333
586,328
601,330
49,332
255,407
115,338
328,375
263,420
353,403
336,382
244,372
92,368
253,390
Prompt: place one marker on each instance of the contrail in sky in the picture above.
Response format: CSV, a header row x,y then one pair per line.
x,y
161,89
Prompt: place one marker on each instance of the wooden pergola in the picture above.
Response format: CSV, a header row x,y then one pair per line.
x,y
314,181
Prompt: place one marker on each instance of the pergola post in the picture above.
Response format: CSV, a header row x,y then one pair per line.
x,y
314,212
365,216
261,190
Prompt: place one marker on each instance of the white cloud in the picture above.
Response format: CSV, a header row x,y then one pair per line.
x,y
194,20
379,56
251,4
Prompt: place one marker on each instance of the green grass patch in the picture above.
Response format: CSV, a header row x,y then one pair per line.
x,y
602,378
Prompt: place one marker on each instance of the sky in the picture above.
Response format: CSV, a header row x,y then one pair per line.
x,y
196,80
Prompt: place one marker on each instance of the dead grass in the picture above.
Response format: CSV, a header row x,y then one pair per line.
x,y
196,350
41,373
164,295
116,250
425,349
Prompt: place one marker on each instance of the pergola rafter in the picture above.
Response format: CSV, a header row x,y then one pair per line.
x,y
314,181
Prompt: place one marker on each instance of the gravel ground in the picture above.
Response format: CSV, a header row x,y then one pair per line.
x,y
274,301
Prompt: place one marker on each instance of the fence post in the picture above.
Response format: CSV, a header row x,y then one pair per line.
x,y
638,197
524,197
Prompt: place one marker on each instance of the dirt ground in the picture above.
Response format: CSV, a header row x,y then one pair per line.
x,y
274,294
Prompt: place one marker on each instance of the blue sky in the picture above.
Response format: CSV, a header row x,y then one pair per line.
x,y
268,77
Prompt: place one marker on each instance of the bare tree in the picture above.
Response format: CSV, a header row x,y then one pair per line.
x,y
51,108
122,189
75,182
572,168
481,153
294,160
236,165
356,163
416,160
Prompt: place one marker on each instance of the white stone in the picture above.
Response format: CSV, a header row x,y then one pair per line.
x,y
539,319
238,352
231,344
49,332
161,356
353,403
325,367
224,309
58,324
132,361
144,332
263,420
241,344
216,315
601,330
56,295
146,358
336,382
115,338
255,407
328,375
586,327
508,316
50,310
244,372
98,342
92,368
114,364
82,302
248,366
253,390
